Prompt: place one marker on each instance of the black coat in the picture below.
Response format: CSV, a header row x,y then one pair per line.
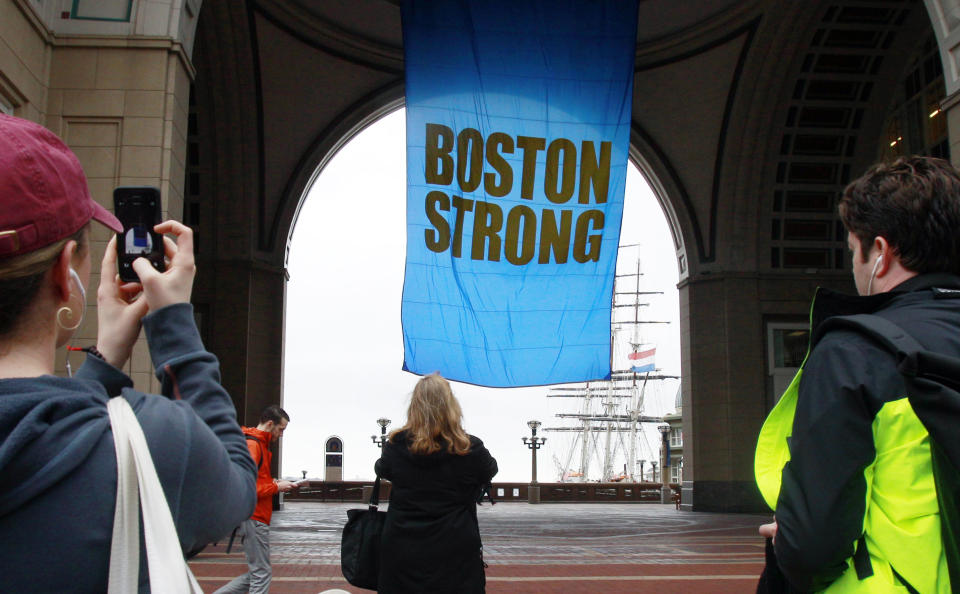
x,y
431,541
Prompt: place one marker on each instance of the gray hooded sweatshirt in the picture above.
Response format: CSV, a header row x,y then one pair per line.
x,y
58,471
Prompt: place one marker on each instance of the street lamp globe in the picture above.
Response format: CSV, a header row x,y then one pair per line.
x,y
382,438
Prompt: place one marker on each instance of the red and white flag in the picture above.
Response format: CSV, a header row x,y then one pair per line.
x,y
642,358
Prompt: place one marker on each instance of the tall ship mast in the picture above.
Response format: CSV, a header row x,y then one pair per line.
x,y
610,436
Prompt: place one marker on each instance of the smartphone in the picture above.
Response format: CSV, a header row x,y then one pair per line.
x,y
138,209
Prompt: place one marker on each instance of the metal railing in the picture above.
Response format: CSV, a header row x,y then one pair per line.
x,y
549,492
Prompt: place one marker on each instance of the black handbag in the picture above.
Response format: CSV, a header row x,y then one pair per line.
x,y
360,543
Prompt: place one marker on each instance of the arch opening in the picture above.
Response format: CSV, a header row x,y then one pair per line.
x,y
342,337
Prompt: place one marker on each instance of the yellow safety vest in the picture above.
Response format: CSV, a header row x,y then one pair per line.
x,y
902,520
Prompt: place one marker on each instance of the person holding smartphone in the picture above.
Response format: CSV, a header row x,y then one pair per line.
x,y
58,470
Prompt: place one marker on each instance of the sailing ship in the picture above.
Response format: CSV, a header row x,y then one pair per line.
x,y
609,435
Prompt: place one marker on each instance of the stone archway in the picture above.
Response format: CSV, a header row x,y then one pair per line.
x,y
740,115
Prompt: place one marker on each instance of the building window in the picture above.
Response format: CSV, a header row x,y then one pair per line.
x,y
916,125
787,345
676,437
102,10
676,471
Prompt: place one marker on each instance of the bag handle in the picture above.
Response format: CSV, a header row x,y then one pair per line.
x,y
136,474
375,495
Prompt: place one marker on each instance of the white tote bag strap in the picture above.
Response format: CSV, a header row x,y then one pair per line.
x,y
125,546
169,572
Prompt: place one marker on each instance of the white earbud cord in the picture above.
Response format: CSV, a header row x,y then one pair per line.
x,y
873,274
83,311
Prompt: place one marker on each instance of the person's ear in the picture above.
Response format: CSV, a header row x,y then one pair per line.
x,y
62,279
884,258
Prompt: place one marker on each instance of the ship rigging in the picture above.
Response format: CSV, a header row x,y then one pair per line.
x,y
611,422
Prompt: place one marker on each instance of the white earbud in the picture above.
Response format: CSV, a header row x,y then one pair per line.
x,y
76,279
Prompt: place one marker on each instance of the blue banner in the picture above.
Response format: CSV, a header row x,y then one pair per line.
x,y
518,126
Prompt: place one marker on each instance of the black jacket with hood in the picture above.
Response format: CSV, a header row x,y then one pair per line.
x,y
847,380
431,540
58,471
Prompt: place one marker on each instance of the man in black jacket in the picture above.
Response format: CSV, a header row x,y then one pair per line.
x,y
842,456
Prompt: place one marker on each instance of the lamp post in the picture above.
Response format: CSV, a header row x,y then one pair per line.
x,y
653,472
666,493
534,443
642,462
383,422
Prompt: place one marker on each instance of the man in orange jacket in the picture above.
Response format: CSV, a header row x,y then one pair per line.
x,y
256,530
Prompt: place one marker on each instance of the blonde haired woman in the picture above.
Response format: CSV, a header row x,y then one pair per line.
x,y
431,541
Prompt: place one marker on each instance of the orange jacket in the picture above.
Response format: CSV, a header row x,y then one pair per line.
x,y
266,487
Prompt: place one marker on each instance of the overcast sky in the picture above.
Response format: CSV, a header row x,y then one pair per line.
x,y
344,345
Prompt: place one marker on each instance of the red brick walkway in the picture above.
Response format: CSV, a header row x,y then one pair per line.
x,y
550,548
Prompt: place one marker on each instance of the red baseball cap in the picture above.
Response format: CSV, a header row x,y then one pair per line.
x,y
43,192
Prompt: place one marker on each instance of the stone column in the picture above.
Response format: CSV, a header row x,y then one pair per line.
x,y
945,18
247,334
666,493
723,391
123,111
115,86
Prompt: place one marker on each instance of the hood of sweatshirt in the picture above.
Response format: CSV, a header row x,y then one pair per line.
x,y
48,427
262,436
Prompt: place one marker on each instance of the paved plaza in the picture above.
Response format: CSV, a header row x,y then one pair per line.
x,y
548,548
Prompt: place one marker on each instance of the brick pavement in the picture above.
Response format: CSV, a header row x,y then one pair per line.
x,y
549,548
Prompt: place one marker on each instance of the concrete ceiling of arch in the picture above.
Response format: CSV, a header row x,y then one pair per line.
x,y
324,66
379,20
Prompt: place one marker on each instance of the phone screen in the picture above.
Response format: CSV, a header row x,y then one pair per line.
x,y
139,211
